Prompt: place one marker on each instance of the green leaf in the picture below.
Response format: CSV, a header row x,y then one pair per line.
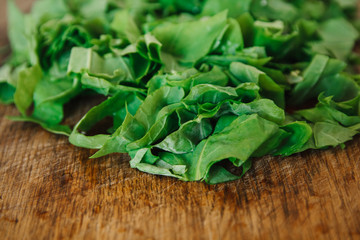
x,y
330,134
43,10
274,38
235,8
192,89
189,79
265,108
185,139
143,128
274,9
311,76
219,174
28,79
300,133
239,140
268,88
342,43
106,109
208,93
6,93
56,129
49,98
86,60
232,41
125,26
165,123
190,41
17,36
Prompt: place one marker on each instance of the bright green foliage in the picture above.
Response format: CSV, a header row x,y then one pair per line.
x,y
189,87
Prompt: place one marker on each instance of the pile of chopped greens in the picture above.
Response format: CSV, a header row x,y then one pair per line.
x,y
195,89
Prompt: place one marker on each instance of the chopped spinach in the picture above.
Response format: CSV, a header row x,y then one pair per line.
x,y
192,86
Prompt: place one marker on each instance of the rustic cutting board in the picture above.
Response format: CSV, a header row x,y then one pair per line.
x,y
49,189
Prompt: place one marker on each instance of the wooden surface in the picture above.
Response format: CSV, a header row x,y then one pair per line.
x,y
49,189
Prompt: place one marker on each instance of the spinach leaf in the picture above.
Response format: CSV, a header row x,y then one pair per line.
x,y
239,140
26,84
190,41
193,89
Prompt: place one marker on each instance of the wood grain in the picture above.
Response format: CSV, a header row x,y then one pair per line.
x,y
49,189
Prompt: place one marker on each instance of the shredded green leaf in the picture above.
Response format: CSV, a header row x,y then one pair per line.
x,y
195,89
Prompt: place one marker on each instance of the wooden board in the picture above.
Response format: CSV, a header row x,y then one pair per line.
x,y
49,189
